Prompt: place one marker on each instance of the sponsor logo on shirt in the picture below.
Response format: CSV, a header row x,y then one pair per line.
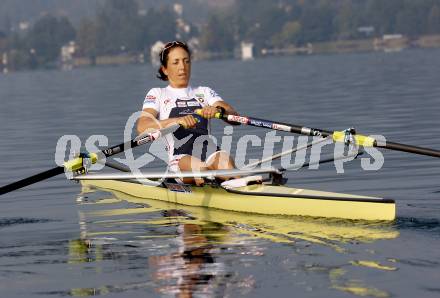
x,y
181,104
150,98
193,104
200,97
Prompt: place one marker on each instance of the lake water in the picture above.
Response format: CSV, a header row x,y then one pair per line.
x,y
57,239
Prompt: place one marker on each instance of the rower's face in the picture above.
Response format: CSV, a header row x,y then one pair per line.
x,y
178,68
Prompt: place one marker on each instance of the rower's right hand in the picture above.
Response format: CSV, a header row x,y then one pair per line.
x,y
188,121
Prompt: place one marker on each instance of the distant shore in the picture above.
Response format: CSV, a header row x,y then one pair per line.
x,y
390,43
333,47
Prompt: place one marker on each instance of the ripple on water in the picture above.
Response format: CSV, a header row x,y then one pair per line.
x,y
430,225
7,222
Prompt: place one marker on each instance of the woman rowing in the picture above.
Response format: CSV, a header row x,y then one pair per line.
x,y
190,148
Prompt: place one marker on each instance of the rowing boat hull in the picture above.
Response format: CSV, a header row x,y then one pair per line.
x,y
262,199
104,217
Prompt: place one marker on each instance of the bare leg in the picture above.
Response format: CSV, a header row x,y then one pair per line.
x,y
193,164
221,161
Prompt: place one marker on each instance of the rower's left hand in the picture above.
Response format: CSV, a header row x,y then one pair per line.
x,y
208,112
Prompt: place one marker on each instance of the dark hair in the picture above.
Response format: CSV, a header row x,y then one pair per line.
x,y
163,56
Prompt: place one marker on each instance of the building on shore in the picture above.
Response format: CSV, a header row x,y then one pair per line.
x,y
366,30
247,51
391,43
4,63
3,52
67,55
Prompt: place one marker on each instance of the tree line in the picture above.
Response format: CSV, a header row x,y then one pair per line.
x,y
118,27
298,22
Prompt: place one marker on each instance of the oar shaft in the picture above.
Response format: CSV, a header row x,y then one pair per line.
x,y
275,125
31,180
337,135
409,149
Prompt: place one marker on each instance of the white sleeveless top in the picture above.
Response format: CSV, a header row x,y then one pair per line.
x,y
172,102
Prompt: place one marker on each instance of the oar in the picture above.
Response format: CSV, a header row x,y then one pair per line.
x,y
338,136
77,164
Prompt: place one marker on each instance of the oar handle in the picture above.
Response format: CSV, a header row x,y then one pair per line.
x,y
219,115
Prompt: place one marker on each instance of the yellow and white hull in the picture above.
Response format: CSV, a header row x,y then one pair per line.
x,y
262,199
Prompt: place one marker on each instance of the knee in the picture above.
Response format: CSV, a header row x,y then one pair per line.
x,y
221,160
190,163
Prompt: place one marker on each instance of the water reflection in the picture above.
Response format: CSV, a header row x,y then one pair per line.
x,y
356,287
192,269
190,251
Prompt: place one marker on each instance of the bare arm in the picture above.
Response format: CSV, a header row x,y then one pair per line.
x,y
228,108
148,120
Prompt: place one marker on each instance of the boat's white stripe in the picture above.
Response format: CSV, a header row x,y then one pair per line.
x,y
152,175
297,191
